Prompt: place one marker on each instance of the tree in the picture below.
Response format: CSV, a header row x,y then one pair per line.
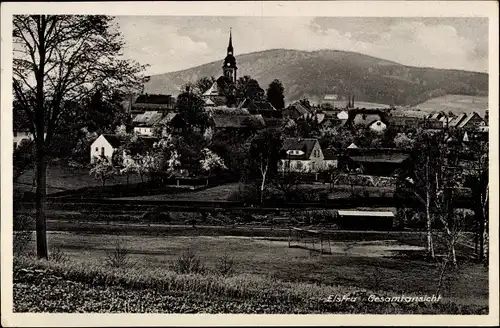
x,y
275,94
425,178
191,108
102,169
203,84
246,87
211,162
264,154
60,59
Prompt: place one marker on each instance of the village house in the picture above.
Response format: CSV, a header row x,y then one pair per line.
x,y
104,146
471,121
144,123
263,108
107,144
296,110
374,161
374,119
303,155
153,102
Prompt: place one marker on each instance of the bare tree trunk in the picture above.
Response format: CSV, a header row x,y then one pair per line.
x,y
40,203
263,170
430,247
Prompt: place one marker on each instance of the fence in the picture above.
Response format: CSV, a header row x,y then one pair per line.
x,y
313,240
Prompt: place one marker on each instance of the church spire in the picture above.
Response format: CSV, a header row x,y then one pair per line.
x,y
230,46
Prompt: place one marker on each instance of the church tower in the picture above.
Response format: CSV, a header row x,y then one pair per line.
x,y
229,69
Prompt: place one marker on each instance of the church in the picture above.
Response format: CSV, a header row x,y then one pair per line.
x,y
223,90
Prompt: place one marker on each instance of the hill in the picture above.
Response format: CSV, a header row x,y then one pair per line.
x,y
456,103
316,73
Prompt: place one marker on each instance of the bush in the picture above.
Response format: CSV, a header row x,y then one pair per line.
x,y
57,255
225,265
118,257
189,262
23,226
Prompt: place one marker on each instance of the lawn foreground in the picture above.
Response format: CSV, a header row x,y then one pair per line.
x,y
47,286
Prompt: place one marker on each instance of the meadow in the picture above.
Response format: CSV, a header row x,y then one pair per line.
x,y
456,103
260,266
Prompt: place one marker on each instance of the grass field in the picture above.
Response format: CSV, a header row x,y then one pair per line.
x,y
456,103
61,178
370,264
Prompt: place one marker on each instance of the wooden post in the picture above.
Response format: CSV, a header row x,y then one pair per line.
x,y
329,246
321,242
289,236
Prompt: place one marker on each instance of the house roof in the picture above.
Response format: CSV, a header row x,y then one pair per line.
x,y
256,105
114,140
409,113
236,121
224,110
380,158
306,145
209,102
467,119
148,118
300,108
213,90
169,117
456,121
365,213
331,97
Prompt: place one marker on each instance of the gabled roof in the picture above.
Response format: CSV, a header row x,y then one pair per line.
x,y
114,140
169,117
467,119
300,108
148,118
209,102
224,110
254,105
213,90
306,145
456,121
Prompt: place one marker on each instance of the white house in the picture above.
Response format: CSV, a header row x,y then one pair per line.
x,y
303,155
104,146
343,115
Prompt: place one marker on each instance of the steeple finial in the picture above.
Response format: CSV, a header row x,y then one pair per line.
x,y
230,46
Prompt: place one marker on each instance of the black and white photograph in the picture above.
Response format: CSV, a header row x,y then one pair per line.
x,y
251,158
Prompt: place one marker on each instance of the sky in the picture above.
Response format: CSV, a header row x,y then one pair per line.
x,y
173,43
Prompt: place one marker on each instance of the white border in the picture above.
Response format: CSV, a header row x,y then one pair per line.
x,y
290,8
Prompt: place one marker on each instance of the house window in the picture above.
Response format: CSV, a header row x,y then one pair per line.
x,y
299,165
102,151
96,149
313,165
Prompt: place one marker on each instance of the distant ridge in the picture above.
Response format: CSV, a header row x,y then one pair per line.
x,y
313,74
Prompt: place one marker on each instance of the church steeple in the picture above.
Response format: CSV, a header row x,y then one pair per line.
x,y
230,46
229,68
